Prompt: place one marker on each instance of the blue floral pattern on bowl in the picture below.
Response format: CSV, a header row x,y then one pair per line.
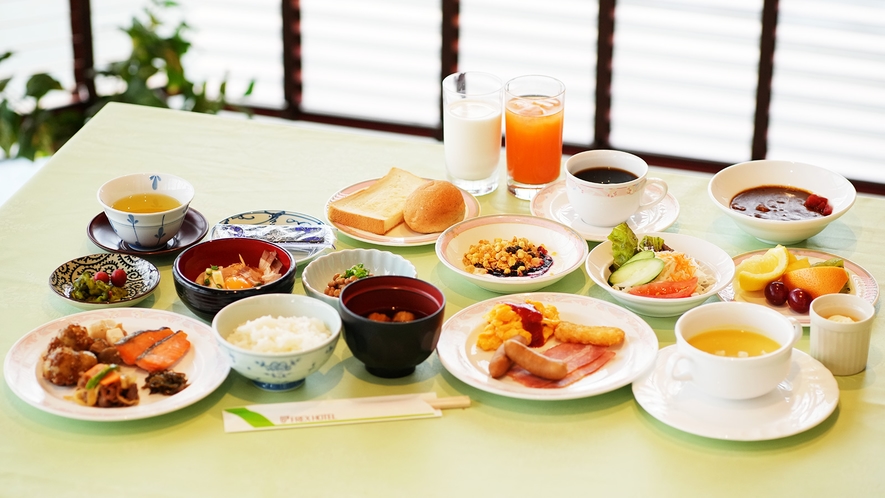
x,y
146,231
279,371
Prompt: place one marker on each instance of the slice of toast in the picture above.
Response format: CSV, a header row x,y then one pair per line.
x,y
379,207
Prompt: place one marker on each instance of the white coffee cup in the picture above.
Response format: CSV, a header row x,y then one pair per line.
x,y
841,347
603,204
733,378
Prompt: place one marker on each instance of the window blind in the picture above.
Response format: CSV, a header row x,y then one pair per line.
x,y
510,38
375,60
684,71
685,76
828,89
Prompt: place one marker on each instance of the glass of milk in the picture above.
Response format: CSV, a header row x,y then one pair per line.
x,y
472,104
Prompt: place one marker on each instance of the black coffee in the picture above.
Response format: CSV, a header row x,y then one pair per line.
x,y
605,174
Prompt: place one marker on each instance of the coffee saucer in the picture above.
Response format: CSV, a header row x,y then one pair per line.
x,y
192,231
803,400
552,203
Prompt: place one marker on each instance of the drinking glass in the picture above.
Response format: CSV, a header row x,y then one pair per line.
x,y
472,103
533,110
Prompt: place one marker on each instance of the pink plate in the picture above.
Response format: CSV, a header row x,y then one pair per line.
x,y
400,235
861,281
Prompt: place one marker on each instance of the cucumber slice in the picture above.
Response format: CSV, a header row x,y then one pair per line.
x,y
641,255
638,272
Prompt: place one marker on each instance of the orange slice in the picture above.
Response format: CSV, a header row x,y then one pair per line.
x,y
817,280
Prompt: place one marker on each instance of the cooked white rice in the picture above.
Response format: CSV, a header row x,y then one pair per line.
x,y
282,334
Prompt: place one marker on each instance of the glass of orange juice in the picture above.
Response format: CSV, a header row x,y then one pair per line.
x,y
533,110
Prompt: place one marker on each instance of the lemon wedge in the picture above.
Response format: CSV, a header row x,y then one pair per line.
x,y
755,272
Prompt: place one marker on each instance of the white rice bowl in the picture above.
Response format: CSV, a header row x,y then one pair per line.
x,y
281,334
277,340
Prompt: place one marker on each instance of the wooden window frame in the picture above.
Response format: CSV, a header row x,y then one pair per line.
x,y
81,31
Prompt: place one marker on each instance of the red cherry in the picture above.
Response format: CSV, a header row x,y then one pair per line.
x,y
776,293
799,300
103,276
119,277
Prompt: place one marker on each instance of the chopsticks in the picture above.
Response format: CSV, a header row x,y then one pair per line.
x,y
449,402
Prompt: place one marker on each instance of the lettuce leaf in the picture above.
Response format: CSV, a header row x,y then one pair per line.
x,y
652,243
624,244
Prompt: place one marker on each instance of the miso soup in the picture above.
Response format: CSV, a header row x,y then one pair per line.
x,y
735,343
146,203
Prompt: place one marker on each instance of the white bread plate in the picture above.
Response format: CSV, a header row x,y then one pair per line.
x,y
716,262
400,235
567,247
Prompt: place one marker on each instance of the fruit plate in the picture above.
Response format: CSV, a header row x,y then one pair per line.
x,y
861,283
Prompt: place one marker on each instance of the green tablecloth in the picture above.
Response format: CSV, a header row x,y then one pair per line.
x,y
498,447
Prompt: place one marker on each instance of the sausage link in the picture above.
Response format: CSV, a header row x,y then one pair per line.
x,y
500,362
535,362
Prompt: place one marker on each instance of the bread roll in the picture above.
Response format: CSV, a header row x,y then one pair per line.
x,y
433,207
378,208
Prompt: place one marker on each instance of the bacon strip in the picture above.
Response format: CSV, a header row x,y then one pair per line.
x,y
581,359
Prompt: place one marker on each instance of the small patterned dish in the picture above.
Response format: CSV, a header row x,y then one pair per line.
x,y
142,278
280,218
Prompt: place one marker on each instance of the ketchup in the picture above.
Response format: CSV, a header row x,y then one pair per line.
x,y
531,322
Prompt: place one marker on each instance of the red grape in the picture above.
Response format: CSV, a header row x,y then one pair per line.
x,y
776,293
103,276
118,277
799,300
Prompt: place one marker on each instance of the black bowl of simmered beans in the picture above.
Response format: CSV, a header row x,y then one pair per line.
x,y
392,323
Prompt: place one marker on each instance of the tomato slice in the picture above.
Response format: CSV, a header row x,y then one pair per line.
x,y
682,288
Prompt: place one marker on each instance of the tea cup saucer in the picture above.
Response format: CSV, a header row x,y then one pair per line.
x,y
800,402
552,203
192,231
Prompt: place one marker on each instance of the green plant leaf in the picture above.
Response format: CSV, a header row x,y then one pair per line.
x,y
10,122
151,74
40,84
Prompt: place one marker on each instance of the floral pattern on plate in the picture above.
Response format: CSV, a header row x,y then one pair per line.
x,y
862,283
400,235
563,244
204,364
461,356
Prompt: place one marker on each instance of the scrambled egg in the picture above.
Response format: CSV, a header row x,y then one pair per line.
x,y
502,323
